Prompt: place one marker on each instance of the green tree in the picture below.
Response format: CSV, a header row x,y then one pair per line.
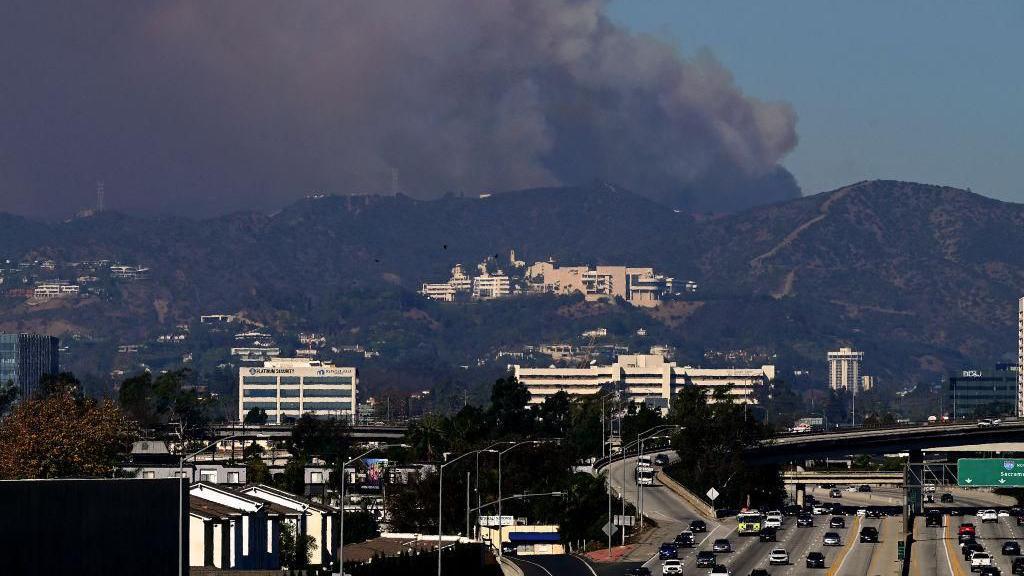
x,y
256,471
508,411
293,477
556,414
295,546
256,416
327,438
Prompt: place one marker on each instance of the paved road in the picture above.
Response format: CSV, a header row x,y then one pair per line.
x,y
991,536
556,565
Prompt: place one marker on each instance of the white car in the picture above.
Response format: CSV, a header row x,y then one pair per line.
x,y
820,510
773,521
1003,514
719,570
988,516
672,566
929,488
778,556
979,560
862,512
850,489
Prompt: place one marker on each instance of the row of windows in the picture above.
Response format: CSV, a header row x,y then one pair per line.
x,y
295,393
285,380
295,405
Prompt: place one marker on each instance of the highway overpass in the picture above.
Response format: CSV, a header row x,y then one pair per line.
x,y
284,431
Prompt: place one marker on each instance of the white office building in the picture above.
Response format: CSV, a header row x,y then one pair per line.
x,y
290,387
844,369
491,286
644,378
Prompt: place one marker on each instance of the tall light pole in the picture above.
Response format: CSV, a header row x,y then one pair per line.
x,y
341,527
181,503
641,436
501,536
440,501
477,488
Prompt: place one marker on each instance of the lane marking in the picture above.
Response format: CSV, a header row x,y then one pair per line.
x,y
537,565
837,564
585,563
954,567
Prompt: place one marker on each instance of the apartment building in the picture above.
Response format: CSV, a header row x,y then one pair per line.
x,y
490,286
55,290
287,388
448,291
844,369
647,378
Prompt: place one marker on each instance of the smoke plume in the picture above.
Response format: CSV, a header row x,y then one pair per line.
x,y
196,107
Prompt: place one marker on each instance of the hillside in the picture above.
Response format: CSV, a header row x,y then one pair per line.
x,y
923,278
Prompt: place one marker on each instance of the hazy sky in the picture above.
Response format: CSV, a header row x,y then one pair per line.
x,y
931,91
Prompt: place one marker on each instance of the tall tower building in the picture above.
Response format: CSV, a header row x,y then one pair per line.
x,y
1020,358
844,369
25,358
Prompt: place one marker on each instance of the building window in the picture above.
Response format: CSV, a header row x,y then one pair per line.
x,y
148,474
260,392
232,477
208,476
260,380
316,477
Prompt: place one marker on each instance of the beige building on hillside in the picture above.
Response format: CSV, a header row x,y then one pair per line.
x,y
844,369
638,286
644,378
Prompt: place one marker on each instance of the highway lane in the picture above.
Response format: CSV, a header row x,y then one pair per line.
x,y
931,551
991,536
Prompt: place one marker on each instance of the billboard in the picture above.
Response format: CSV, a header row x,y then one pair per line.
x,y
370,477
100,526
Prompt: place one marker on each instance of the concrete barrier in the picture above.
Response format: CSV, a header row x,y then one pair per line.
x,y
698,503
509,568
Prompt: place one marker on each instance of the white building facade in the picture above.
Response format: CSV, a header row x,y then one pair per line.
x,y
291,387
644,378
844,369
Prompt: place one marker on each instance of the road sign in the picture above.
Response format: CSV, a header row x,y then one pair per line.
x,y
990,472
624,520
901,549
712,494
609,529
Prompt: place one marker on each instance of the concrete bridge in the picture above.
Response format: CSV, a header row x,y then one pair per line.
x,y
800,479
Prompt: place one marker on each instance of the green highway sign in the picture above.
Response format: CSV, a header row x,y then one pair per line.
x,y
990,472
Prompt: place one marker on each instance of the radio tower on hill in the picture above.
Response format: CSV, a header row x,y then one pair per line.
x,y
99,196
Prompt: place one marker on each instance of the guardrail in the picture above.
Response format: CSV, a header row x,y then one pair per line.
x,y
704,508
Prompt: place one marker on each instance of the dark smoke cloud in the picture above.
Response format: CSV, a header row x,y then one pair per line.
x,y
192,107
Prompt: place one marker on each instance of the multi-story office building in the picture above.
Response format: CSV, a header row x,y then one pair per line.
x,y
25,358
844,369
980,393
449,291
638,286
287,388
644,378
490,286
1020,358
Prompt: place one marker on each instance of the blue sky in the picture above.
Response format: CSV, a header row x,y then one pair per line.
x,y
912,90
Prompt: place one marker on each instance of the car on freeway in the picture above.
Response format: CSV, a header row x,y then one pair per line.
x,y
820,510
719,569
831,539
791,510
873,513
1011,548
805,521
863,512
698,526
661,460
1003,513
988,516
638,571
759,572
965,538
850,489
1018,566
989,571
773,519
668,550
980,559
705,559
672,566
815,560
955,512
864,488
778,556
929,488
933,518
837,522
684,539
929,499
1020,520
969,548
946,498
836,493
869,534
966,528
984,423
767,534
722,545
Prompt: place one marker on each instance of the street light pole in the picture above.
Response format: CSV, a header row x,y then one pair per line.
x,y
501,536
440,500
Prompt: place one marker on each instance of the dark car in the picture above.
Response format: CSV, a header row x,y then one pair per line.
x,y
1020,520
837,522
933,518
970,548
698,526
705,559
965,537
1011,548
815,560
668,550
661,460
767,535
638,571
945,498
722,545
759,572
684,539
863,488
1018,566
869,534
805,520
792,510
989,571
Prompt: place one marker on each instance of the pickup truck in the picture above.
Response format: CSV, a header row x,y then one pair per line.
x,y
980,560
